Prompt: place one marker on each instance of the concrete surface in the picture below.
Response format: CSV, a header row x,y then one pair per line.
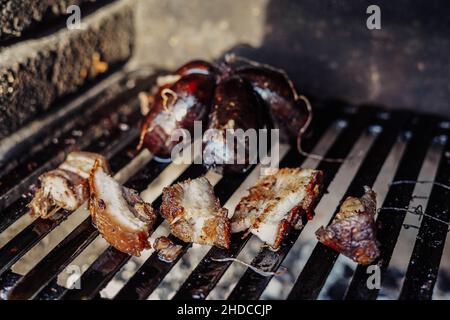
x,y
323,44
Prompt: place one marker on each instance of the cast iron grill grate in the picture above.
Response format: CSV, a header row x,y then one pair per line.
x,y
110,128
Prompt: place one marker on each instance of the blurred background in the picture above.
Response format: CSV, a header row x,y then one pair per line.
x,y
324,45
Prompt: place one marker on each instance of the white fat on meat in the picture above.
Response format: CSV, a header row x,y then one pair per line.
x,y
198,202
194,213
270,202
111,192
65,187
57,185
81,163
169,117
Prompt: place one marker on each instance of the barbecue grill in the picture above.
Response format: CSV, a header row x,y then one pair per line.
x,y
66,86
105,119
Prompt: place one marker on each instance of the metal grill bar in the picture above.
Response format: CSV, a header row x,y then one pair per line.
x,y
13,213
105,137
95,117
197,286
152,272
8,280
315,272
11,252
423,267
390,222
150,275
48,268
112,260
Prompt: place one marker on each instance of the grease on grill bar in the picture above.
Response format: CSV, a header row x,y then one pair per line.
x,y
383,128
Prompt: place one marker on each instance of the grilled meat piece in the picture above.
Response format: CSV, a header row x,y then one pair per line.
x,y
276,203
176,106
121,216
59,189
65,187
352,231
236,107
278,93
167,250
194,213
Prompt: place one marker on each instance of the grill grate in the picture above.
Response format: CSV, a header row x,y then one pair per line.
x,y
102,133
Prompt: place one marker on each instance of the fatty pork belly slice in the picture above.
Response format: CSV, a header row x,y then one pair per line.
x,y
276,203
66,187
194,213
352,231
121,216
82,162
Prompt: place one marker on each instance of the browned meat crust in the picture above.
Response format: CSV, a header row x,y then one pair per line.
x,y
276,203
73,192
194,213
66,187
123,219
353,232
167,250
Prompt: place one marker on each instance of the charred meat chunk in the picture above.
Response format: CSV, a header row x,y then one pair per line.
x,y
236,109
352,231
238,96
278,93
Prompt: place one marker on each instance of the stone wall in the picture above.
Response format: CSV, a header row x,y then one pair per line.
x,y
36,72
18,16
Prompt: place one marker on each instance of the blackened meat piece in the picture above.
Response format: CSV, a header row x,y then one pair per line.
x,y
278,93
235,110
353,232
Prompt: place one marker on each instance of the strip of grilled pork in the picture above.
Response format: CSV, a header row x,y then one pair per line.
x,y
65,187
194,213
121,216
277,202
352,231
